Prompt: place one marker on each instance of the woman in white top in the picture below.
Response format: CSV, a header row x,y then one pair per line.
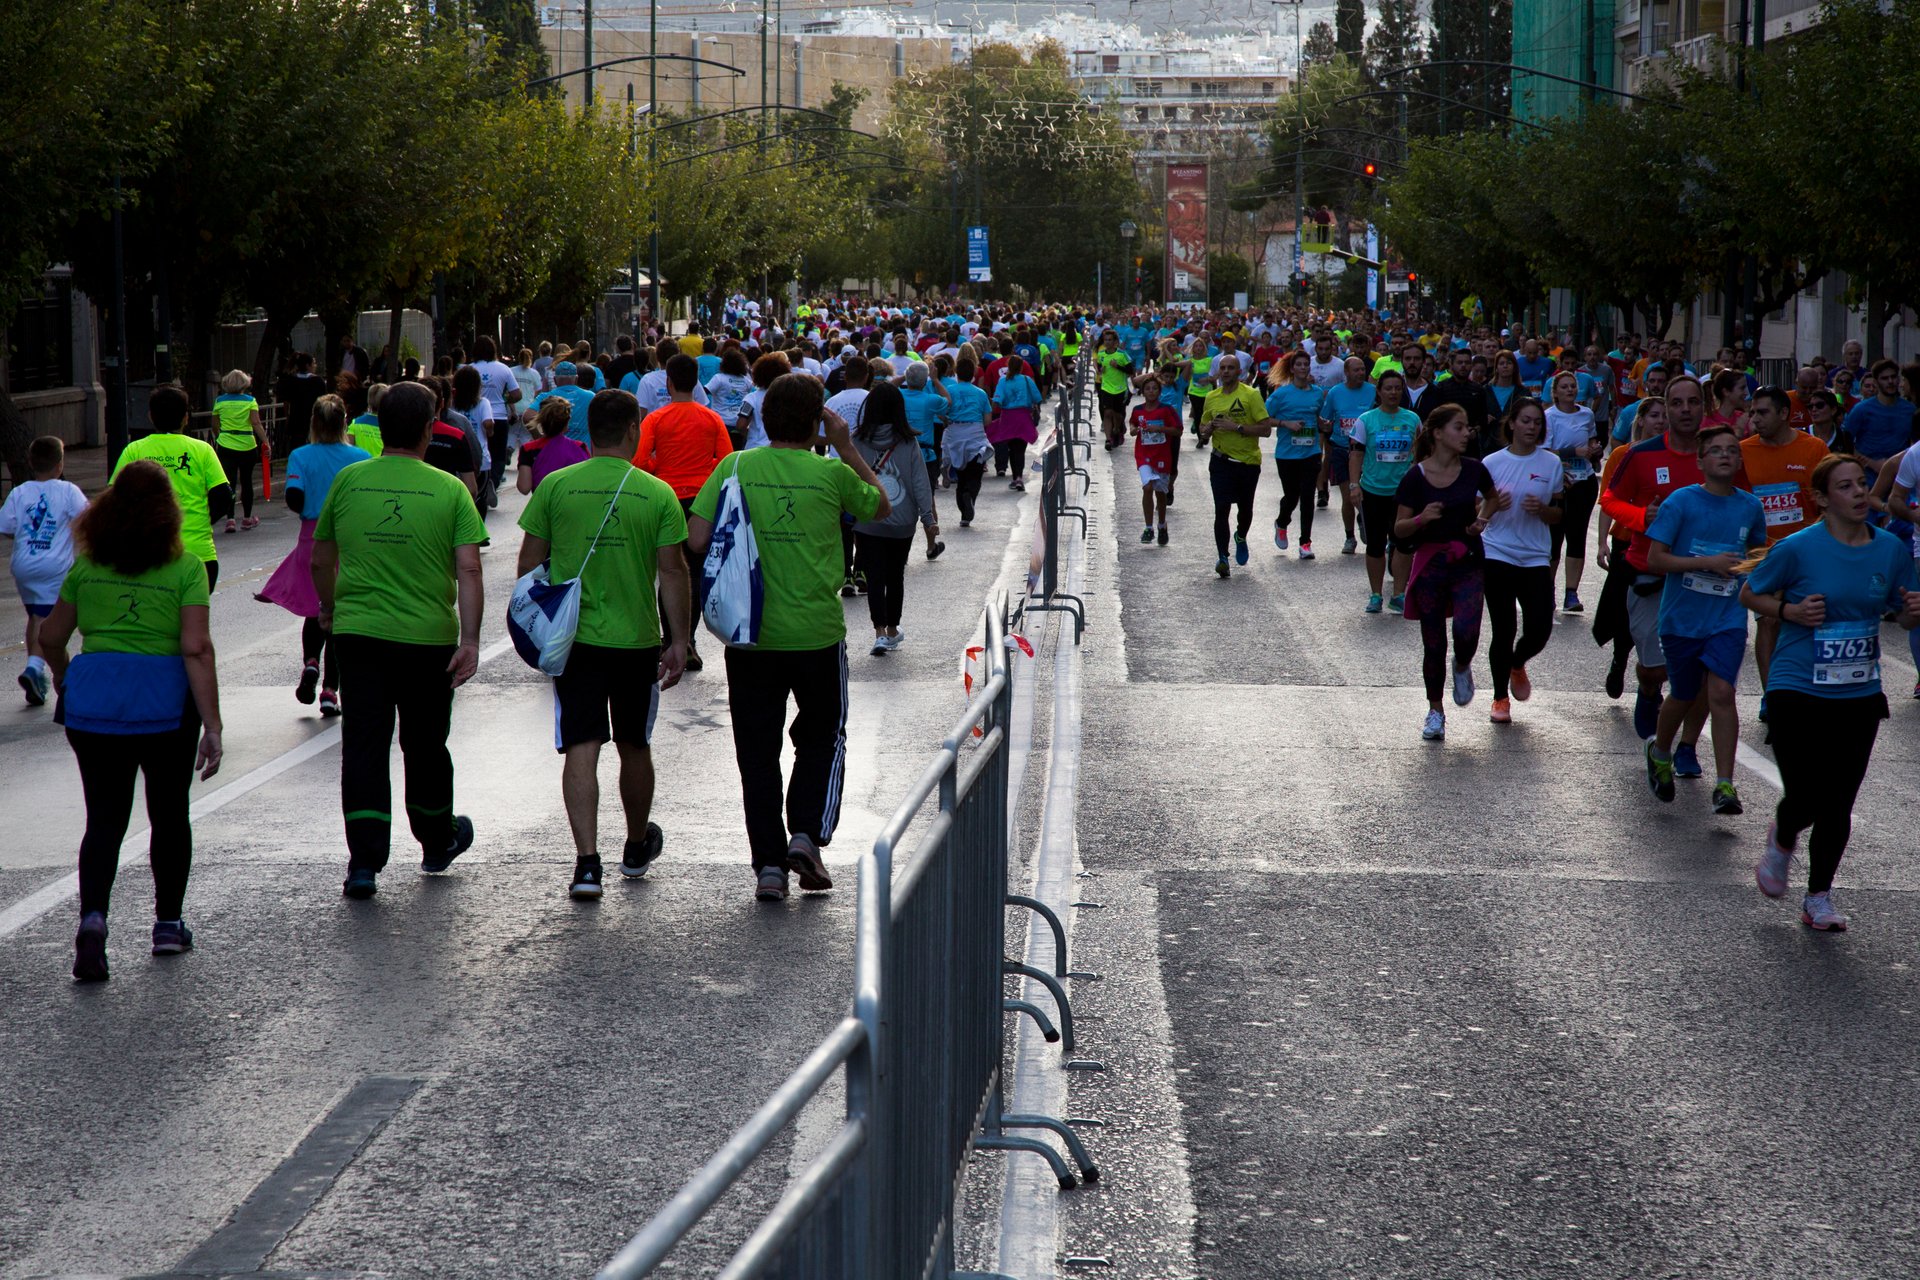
x,y
1519,547
1571,436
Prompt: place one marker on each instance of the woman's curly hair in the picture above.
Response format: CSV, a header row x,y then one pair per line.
x,y
134,525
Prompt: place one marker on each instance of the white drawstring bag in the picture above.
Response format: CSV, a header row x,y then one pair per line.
x,y
732,592
544,616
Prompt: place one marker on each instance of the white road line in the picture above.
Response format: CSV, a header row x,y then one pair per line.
x,y
48,896
1766,770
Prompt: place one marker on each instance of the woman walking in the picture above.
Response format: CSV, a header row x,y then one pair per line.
x,y
1015,422
136,699
964,446
1518,542
239,442
1443,505
550,449
310,472
891,447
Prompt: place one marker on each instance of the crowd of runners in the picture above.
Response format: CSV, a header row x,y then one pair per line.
x,y
1472,470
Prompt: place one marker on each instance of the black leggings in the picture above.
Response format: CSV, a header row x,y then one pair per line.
x,y
1011,453
1508,585
316,645
1377,513
1576,512
1822,746
239,465
1233,485
109,764
884,561
1297,478
966,488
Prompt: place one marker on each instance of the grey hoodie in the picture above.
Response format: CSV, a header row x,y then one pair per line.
x,y
908,465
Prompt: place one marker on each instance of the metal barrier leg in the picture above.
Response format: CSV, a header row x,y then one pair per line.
x,y
1035,1012
1001,1142
1076,609
1053,922
1088,1170
1058,992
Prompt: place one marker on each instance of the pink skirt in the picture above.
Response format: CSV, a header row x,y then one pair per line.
x,y
1013,424
291,586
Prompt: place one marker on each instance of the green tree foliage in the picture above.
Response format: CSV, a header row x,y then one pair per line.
x,y
1350,27
1336,127
1321,47
1394,38
1448,217
1466,96
516,27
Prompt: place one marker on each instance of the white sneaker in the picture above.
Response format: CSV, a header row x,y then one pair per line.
x,y
1817,911
880,646
1775,867
1435,728
1462,686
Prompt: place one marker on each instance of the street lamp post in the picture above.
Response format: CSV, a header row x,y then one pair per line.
x,y
1126,246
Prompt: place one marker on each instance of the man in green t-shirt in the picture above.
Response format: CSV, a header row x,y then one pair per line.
x,y
795,500
397,544
199,481
614,527
1235,419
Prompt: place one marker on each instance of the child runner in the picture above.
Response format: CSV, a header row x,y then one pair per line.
x,y
1156,443
1698,539
39,516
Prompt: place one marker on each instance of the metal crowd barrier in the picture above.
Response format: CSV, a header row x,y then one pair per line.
x,y
921,1050
1073,425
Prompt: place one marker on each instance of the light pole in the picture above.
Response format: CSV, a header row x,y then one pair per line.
x,y
1126,246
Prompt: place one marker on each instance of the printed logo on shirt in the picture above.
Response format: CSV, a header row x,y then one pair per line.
x,y
1661,475
393,516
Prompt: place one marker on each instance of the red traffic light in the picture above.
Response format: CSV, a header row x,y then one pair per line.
x,y
1412,276
1370,169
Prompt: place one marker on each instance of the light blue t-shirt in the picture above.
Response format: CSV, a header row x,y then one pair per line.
x,y
709,365
311,469
1880,430
1694,522
1840,658
1292,404
1388,440
577,398
926,410
1623,422
1018,392
1343,408
970,403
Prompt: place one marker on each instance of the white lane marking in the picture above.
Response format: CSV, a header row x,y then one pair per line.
x,y
1762,767
50,895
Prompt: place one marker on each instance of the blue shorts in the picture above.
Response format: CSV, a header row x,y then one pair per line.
x,y
39,610
1690,659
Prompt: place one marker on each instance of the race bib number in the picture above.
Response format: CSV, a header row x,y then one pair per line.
x,y
1780,502
1579,469
1347,425
1392,447
1153,437
1304,434
1711,584
1846,653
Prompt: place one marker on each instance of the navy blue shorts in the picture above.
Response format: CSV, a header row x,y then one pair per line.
x,y
1690,659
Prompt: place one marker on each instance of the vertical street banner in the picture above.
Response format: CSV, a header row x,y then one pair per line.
x,y
979,269
1186,279
1373,273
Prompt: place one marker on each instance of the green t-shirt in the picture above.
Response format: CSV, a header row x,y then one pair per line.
x,y
795,498
195,470
365,431
1243,405
236,422
617,609
139,614
396,522
1383,364
1113,371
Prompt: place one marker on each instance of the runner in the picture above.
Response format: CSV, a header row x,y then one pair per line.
x,y
141,692
1015,425
1380,453
1519,549
1698,539
1346,401
1236,412
1572,435
1827,587
310,473
364,431
964,446
241,438
887,440
1115,368
1156,448
1777,463
615,527
1199,383
1294,406
38,515
1610,622
681,443
551,448
1441,507
199,481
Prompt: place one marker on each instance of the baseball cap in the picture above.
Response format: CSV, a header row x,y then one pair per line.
x,y
565,366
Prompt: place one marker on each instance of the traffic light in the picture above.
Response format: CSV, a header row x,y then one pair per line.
x,y
1371,170
1413,277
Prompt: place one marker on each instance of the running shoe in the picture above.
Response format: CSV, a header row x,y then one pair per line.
x,y
879,649
966,524
1306,551
586,880
1374,603
1916,688
859,582
636,858
1726,800
1817,911
1617,676
1399,602
1521,686
1320,500
1775,867
1348,547
1220,567
1686,762
462,840
233,526
694,661
1161,537
361,882
803,859
309,681
847,588
250,522
1241,552
933,552
171,937
1572,604
90,948
1659,775
35,683
1502,711
1018,486
329,703
1146,535
1435,727
1462,686
1646,714
1280,536
771,885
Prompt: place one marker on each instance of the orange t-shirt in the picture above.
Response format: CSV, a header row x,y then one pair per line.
x,y
1614,460
1800,410
1781,476
681,443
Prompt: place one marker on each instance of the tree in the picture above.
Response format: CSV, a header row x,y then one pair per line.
x,y
1445,216
1321,47
1227,274
516,27
1393,43
1350,28
1467,32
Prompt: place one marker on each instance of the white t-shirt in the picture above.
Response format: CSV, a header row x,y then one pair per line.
x,y
39,516
901,363
849,404
1570,431
653,393
496,379
1329,371
528,380
756,429
1512,536
1908,478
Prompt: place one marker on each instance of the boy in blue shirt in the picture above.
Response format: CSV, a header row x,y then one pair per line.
x,y
1698,537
